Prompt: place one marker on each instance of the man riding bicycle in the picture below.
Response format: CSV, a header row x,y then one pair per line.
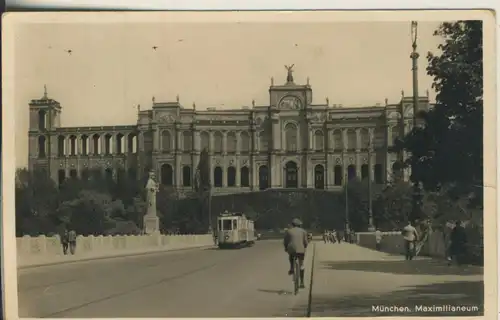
x,y
295,245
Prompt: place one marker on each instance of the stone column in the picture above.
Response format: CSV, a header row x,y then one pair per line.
x,y
197,141
156,139
311,139
238,173
224,142
255,141
140,142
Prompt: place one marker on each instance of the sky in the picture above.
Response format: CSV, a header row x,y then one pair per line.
x,y
113,66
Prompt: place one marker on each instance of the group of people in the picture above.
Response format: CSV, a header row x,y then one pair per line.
x,y
456,244
337,236
68,241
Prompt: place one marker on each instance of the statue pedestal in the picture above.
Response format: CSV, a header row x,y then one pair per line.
x,y
151,224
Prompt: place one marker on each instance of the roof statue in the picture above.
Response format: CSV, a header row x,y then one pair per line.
x,y
153,99
253,103
177,98
289,76
45,96
327,101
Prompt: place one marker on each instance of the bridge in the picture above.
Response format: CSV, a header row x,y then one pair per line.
x,y
341,280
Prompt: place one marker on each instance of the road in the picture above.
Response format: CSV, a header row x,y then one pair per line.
x,y
249,282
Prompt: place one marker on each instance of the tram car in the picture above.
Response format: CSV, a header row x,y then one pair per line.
x,y
234,230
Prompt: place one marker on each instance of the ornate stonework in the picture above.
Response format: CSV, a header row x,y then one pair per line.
x,y
246,150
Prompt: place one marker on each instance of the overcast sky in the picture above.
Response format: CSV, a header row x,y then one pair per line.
x,y
113,67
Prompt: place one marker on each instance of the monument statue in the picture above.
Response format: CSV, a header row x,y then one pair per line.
x,y
151,220
289,77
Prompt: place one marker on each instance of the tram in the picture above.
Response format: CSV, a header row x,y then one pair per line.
x,y
234,230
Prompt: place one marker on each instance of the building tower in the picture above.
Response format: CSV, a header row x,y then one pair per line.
x,y
44,118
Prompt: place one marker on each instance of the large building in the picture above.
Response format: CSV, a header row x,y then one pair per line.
x,y
289,143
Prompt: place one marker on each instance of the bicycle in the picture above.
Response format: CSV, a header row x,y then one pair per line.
x,y
296,274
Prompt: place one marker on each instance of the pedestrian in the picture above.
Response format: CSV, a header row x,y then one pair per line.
x,y
458,239
64,240
352,236
378,239
72,241
410,235
339,236
325,236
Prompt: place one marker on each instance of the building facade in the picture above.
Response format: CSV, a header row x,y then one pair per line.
x,y
289,143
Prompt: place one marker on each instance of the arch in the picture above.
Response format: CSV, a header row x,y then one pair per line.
x,y
365,138
166,140
107,144
319,140
263,141
231,176
291,137
337,175
187,141
108,173
232,142
95,144
245,142
61,146
364,172
186,176
167,175
42,147
291,175
85,145
72,145
338,143
217,142
42,120
205,140
379,137
73,174
351,172
263,177
394,134
378,173
245,177
119,143
61,176
132,143
319,177
218,177
351,139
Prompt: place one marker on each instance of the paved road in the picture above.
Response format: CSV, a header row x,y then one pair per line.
x,y
249,282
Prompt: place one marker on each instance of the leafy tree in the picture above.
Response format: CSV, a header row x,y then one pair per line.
x,y
448,148
91,212
36,201
358,202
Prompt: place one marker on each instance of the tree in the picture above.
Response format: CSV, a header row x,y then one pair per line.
x,y
448,149
37,199
358,202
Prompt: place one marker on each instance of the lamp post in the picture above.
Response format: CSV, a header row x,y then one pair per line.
x,y
417,194
371,226
346,177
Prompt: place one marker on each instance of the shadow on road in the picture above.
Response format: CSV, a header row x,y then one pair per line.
x,y
441,294
278,292
417,267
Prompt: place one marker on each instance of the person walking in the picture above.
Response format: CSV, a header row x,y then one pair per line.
x,y
410,235
378,239
72,241
64,240
458,240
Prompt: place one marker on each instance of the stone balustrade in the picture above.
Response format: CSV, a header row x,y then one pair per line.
x,y
392,242
45,250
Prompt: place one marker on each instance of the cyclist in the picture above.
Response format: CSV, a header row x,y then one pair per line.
x,y
295,245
